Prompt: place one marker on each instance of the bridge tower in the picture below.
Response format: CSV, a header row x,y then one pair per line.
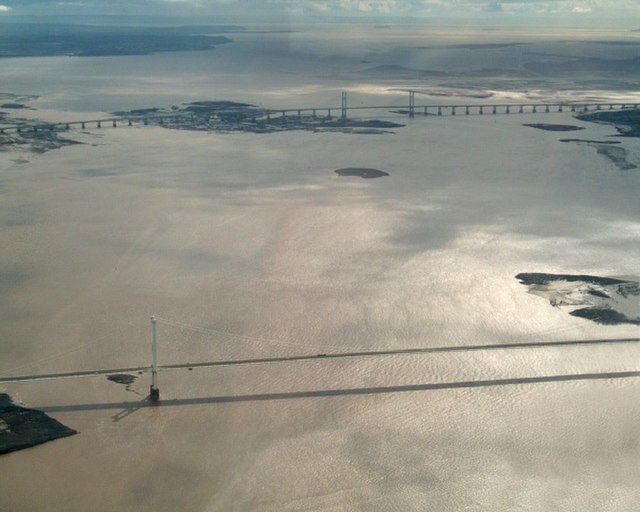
x,y
412,103
154,392
344,105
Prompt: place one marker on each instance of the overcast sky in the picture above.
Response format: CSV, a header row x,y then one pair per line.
x,y
573,9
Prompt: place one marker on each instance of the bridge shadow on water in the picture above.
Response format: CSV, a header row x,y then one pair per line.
x,y
128,408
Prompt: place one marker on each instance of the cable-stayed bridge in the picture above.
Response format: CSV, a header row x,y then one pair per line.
x,y
411,109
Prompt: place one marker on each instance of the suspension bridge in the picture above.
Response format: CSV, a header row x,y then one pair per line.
x,y
411,109
154,368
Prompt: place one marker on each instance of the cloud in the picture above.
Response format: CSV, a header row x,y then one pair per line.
x,y
493,7
507,9
319,7
368,6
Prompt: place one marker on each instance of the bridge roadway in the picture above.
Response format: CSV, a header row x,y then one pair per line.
x,y
315,357
266,114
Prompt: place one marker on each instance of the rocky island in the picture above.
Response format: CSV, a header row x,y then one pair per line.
x,y
554,127
23,428
603,300
626,122
229,116
362,172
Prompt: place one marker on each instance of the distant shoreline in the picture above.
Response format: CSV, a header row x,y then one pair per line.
x,y
47,40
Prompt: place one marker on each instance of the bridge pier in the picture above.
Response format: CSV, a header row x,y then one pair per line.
x,y
425,110
67,127
453,111
611,106
268,116
82,125
328,113
145,121
534,109
573,108
314,113
99,125
495,109
466,111
546,108
439,111
598,107
481,111
114,123
130,123
522,109
507,111
299,114
559,108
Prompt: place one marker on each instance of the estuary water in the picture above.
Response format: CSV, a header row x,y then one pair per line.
x,y
250,245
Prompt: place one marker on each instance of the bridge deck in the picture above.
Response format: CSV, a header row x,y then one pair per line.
x,y
310,357
412,109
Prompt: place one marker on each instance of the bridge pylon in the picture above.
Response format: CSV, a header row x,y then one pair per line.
x,y
343,113
154,392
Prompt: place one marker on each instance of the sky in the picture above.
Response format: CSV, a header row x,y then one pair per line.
x,y
571,9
